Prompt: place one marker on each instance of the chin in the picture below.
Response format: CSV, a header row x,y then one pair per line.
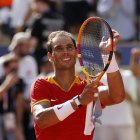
x,y
66,67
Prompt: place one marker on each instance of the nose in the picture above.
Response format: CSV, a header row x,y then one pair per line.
x,y
65,49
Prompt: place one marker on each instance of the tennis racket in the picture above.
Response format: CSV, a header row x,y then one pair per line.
x,y
95,47
94,50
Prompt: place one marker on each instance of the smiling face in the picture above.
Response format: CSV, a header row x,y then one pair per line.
x,y
63,53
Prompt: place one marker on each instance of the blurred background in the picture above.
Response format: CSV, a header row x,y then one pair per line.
x,y
24,29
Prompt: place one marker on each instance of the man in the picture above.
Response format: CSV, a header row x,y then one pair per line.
x,y
20,47
135,67
135,60
56,101
11,94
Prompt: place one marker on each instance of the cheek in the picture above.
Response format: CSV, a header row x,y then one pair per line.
x,y
74,56
57,56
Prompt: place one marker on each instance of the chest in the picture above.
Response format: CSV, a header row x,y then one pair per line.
x,y
58,95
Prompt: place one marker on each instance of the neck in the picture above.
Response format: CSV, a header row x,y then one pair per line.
x,y
64,78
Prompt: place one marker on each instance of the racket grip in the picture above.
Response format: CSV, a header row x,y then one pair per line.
x,y
113,67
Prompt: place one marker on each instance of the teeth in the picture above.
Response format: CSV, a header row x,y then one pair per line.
x,y
66,59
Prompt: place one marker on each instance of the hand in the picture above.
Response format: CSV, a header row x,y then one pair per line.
x,y
11,80
116,37
136,52
105,43
90,93
135,55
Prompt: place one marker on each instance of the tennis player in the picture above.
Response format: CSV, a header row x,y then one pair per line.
x,y
59,103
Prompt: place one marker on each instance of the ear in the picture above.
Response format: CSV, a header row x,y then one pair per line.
x,y
78,55
49,56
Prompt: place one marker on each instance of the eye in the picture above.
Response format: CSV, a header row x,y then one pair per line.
x,y
70,47
58,49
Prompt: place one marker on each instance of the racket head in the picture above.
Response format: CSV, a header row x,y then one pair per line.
x,y
93,51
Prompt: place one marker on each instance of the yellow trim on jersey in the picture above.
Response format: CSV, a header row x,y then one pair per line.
x,y
52,81
76,80
44,100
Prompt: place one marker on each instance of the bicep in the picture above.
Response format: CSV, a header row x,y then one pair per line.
x,y
39,107
44,114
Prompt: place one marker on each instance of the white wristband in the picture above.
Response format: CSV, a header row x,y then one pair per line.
x,y
62,111
113,65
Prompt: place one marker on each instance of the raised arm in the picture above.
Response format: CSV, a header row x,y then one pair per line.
x,y
114,93
135,58
11,79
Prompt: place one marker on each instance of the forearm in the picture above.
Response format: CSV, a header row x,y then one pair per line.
x,y
135,68
3,89
135,58
116,87
114,92
19,110
47,116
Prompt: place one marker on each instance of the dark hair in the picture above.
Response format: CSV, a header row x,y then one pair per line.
x,y
56,34
44,1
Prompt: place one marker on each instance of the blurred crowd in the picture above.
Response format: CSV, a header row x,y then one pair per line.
x,y
24,28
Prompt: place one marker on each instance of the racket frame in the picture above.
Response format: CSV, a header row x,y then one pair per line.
x,y
79,38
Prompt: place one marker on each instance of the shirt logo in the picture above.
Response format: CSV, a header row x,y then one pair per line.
x,y
59,107
54,100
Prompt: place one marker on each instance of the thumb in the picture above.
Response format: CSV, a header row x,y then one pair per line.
x,y
104,39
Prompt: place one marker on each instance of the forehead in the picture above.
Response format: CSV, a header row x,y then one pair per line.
x,y
61,40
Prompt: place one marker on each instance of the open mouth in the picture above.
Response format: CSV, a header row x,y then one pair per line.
x,y
66,59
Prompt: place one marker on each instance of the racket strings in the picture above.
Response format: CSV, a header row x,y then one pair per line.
x,y
94,41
